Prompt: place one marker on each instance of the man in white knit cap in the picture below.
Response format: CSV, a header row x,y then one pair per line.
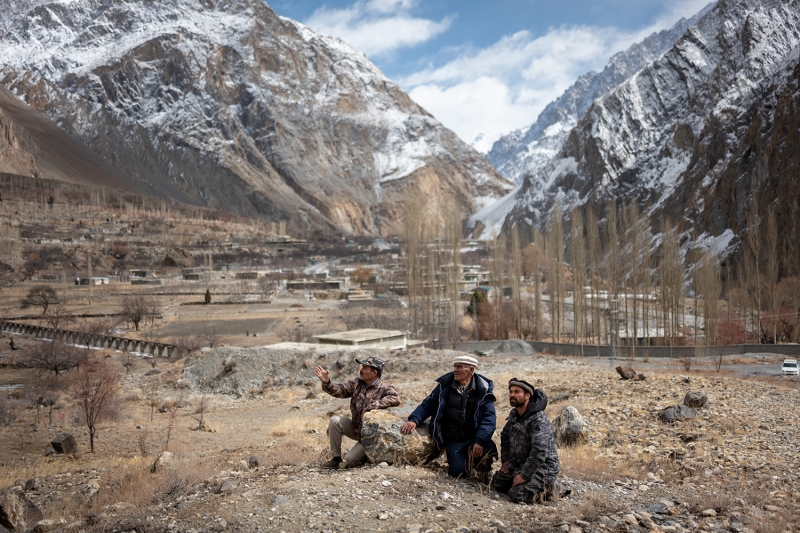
x,y
462,418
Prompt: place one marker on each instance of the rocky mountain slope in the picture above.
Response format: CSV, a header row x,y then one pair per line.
x,y
696,135
523,151
228,105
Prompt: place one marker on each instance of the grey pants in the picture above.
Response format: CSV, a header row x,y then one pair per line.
x,y
338,427
537,489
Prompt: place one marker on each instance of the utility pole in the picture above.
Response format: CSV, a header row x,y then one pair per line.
x,y
89,266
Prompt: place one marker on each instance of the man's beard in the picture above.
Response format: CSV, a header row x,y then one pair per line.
x,y
514,402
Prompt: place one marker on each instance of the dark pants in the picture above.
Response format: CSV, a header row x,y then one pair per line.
x,y
537,489
460,461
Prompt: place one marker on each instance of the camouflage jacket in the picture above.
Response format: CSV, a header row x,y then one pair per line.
x,y
528,442
363,398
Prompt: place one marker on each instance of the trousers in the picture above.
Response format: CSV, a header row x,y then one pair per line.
x,y
340,426
460,461
536,489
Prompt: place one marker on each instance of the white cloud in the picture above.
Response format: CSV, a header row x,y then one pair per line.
x,y
377,27
495,90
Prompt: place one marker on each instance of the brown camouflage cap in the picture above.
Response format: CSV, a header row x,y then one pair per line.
x,y
374,362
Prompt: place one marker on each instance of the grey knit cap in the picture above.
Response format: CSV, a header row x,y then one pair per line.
x,y
522,384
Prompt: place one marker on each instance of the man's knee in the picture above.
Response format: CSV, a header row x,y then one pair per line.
x,y
502,482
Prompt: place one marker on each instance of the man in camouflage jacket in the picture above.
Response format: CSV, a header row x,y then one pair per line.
x,y
366,393
527,447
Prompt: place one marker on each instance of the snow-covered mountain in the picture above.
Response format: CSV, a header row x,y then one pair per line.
x,y
523,151
695,137
226,104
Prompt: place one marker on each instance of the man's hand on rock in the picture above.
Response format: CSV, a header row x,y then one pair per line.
x,y
477,450
323,375
408,427
518,480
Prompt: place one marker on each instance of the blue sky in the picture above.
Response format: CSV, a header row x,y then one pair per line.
x,y
487,67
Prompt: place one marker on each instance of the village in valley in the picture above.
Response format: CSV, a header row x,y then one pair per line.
x,y
206,329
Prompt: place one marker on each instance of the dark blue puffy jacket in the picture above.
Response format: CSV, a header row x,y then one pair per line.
x,y
485,416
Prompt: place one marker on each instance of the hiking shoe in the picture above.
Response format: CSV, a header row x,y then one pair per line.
x,y
331,463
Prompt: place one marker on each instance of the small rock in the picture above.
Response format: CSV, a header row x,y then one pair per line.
x,y
64,443
383,515
677,413
165,460
153,372
440,507
386,483
626,372
31,484
772,508
49,451
91,488
278,500
709,512
254,461
228,486
695,399
222,524
383,464
52,524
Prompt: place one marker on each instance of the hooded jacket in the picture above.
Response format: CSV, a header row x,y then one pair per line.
x,y
528,443
379,395
485,416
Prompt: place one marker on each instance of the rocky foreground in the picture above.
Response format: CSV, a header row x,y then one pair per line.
x,y
733,467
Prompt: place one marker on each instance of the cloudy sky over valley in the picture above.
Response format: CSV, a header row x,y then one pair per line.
x,y
487,67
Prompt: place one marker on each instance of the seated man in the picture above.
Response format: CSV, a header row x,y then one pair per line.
x,y
461,409
366,393
527,447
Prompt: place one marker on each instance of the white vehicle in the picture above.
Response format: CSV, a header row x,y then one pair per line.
x,y
790,368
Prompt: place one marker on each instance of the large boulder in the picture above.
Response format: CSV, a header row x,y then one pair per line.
x,y
677,413
695,399
18,513
384,442
570,427
64,443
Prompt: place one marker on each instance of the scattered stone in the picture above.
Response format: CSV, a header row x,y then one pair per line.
x,y
228,486
31,484
384,442
561,397
677,413
18,513
278,500
254,461
570,427
64,443
626,372
49,450
153,372
695,399
91,488
52,524
165,460
383,515
709,512
688,437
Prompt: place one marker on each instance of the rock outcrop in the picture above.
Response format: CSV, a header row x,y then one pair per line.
x,y
18,513
64,443
384,442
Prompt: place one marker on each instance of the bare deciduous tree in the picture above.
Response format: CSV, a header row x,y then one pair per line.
x,y
135,308
95,387
41,296
54,357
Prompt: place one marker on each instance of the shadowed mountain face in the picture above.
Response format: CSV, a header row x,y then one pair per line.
x,y
697,136
227,105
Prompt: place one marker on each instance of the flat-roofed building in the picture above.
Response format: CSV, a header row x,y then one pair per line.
x,y
380,338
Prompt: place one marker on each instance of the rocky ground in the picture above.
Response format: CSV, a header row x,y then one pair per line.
x,y
732,468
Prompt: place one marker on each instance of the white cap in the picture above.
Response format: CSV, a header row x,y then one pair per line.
x,y
466,360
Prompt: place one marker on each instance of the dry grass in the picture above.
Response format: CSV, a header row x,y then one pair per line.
x,y
581,462
133,484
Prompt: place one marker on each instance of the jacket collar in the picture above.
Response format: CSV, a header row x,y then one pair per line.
x,y
482,384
